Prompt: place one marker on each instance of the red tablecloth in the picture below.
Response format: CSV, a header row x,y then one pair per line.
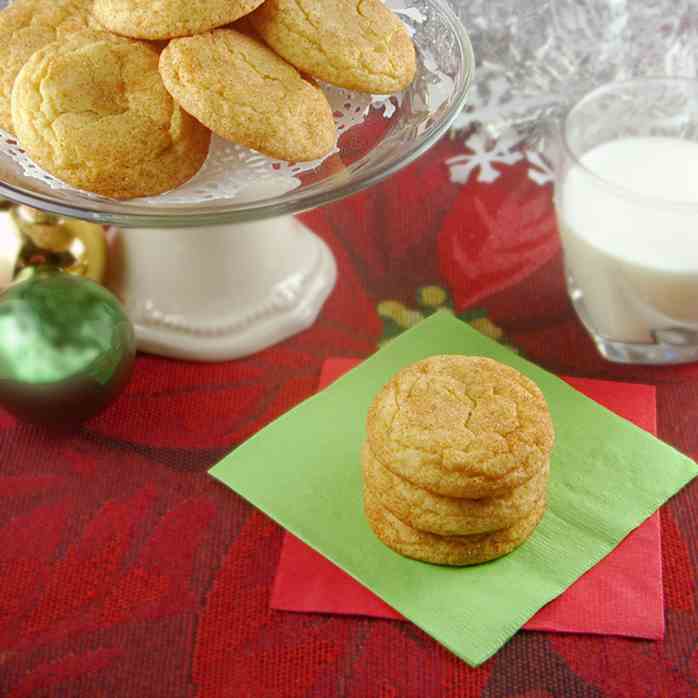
x,y
126,571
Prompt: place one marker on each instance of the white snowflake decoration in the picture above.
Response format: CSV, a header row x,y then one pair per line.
x,y
539,56
485,103
484,156
541,172
486,110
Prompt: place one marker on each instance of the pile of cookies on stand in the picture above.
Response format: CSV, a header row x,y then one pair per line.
x,y
457,460
120,97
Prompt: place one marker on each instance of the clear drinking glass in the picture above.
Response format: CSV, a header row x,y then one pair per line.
x,y
626,196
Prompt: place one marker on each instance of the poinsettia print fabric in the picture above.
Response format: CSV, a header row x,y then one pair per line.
x,y
126,571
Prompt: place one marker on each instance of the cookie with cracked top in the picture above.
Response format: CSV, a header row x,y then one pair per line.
x,y
92,110
461,426
166,19
357,44
27,26
247,94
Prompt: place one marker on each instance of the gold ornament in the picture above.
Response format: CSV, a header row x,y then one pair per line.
x,y
31,238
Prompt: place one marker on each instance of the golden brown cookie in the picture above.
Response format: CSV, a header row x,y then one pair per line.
x,y
166,19
461,426
357,44
25,27
247,94
447,550
92,111
449,516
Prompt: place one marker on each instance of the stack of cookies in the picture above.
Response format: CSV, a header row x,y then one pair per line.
x,y
119,97
456,460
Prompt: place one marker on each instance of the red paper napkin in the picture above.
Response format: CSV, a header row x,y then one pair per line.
x,y
622,595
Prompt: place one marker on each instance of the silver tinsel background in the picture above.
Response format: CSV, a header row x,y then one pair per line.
x,y
536,57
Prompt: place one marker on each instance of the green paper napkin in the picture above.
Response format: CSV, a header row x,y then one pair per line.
x,y
607,477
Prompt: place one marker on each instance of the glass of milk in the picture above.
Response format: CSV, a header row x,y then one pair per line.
x,y
626,196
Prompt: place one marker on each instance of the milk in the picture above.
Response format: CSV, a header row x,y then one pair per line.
x,y
631,240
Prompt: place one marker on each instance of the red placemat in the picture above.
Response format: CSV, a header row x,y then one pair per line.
x,y
622,595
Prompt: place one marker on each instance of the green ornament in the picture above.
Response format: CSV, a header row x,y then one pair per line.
x,y
66,347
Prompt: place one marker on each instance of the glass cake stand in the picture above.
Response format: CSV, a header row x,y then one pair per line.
x,y
221,274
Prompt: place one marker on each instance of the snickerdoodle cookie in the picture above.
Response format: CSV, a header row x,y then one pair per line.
x,y
448,516
92,111
357,44
461,426
166,19
25,27
245,93
447,550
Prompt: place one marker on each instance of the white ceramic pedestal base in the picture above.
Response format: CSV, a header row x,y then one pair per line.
x,y
221,292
